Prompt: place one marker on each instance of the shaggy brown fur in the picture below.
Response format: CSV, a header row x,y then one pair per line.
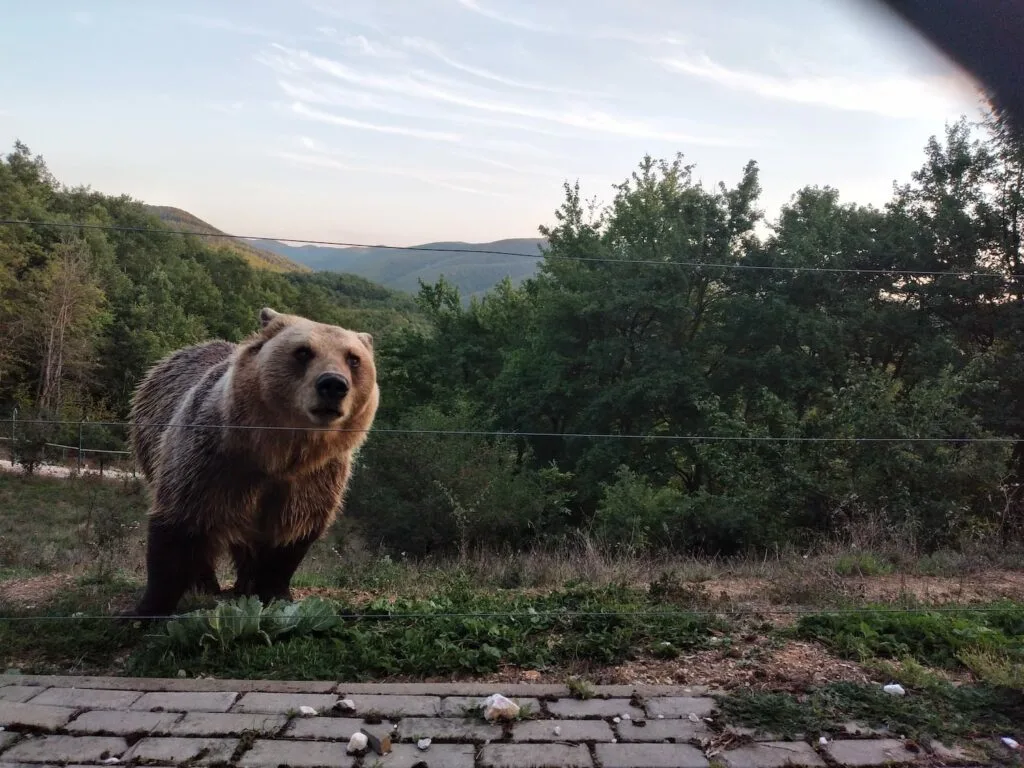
x,y
221,481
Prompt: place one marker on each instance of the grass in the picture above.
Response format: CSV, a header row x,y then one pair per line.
x,y
943,710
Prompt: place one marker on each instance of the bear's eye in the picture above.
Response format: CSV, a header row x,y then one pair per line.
x,y
303,354
353,361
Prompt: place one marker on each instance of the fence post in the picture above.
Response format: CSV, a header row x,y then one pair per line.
x,y
14,429
79,447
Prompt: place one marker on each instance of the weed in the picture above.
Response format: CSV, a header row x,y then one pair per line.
x,y
997,669
956,712
580,688
862,564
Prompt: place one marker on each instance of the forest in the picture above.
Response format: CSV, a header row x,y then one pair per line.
x,y
682,373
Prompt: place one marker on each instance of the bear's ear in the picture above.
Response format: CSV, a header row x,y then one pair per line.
x,y
367,339
267,315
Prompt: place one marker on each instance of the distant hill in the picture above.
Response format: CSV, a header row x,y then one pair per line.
x,y
255,256
464,264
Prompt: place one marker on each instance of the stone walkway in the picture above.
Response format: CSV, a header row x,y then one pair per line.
x,y
123,721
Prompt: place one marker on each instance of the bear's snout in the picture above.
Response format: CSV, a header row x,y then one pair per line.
x,y
331,387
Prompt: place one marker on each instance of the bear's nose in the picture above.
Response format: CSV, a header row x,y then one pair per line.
x,y
331,386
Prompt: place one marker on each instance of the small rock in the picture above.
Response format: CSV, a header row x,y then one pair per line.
x,y
1010,742
626,716
307,711
498,707
692,717
894,689
616,720
182,673
558,730
110,760
822,740
615,741
423,745
662,717
346,706
357,743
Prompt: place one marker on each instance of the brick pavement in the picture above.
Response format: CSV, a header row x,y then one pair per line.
x,y
257,724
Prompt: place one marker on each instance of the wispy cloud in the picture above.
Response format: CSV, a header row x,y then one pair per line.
x,y
582,117
428,47
360,44
398,130
514,21
892,96
317,156
211,22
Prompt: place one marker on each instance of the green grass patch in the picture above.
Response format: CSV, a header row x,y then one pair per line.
x,y
941,710
934,638
459,632
862,564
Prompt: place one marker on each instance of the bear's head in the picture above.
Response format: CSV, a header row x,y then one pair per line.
x,y
310,373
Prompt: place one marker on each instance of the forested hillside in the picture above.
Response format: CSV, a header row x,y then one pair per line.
x,y
859,370
473,268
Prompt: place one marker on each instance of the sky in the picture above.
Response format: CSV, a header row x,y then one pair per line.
x,y
410,121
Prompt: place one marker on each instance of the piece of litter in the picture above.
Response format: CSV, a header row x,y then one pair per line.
x,y
662,717
615,741
497,707
306,711
558,730
182,673
423,745
616,719
894,689
1011,743
822,740
381,746
692,717
357,743
626,716
110,760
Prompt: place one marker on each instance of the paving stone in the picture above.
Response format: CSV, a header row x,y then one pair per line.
x,y
457,706
437,756
219,701
449,728
175,749
64,749
397,706
34,715
226,724
6,739
958,754
650,756
772,754
297,754
577,708
859,729
122,723
529,755
678,730
19,693
281,703
93,698
336,728
679,706
147,684
568,730
861,752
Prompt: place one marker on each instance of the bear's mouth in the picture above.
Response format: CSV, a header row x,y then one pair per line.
x,y
326,413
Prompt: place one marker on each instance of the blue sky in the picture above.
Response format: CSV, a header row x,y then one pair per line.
x,y
406,121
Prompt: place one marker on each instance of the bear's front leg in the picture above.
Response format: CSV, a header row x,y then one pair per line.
x,y
267,570
177,557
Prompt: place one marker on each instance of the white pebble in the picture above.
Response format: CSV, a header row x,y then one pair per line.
x,y
615,741
110,760
662,717
692,717
423,744
558,730
306,711
346,705
616,719
357,743
626,716
822,740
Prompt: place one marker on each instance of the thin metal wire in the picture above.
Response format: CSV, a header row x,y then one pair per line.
x,y
590,259
703,612
564,435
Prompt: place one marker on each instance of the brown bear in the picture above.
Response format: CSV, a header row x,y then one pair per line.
x,y
247,449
